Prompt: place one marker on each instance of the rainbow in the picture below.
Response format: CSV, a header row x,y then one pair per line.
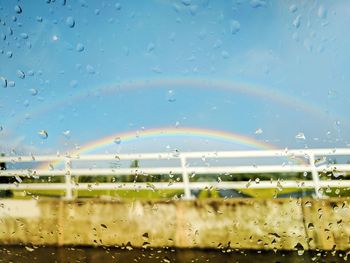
x,y
165,83
168,132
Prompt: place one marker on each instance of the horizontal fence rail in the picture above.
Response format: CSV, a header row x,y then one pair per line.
x,y
308,163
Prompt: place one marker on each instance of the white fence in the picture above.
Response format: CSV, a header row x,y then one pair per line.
x,y
309,165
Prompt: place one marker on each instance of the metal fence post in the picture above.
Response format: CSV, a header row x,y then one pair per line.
x,y
315,175
185,178
68,178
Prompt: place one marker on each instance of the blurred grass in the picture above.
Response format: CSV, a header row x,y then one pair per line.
x,y
119,193
170,193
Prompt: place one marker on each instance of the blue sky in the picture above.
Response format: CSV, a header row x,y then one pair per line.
x,y
69,49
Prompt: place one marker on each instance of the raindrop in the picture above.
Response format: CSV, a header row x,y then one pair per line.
x,y
90,69
300,136
9,54
257,180
257,3
70,22
18,9
249,183
30,249
39,19
225,54
11,83
150,47
235,26
293,8
66,133
308,204
26,103
145,236
20,74
171,96
118,6
297,21
24,35
1,128
43,134
80,47
258,131
3,82
33,92
103,226
186,2
299,247
310,226
117,140
193,10
279,185
322,12
30,73
9,31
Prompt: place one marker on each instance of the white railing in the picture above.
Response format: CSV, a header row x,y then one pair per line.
x,y
308,164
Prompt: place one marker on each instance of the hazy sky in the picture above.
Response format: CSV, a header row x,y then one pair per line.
x,y
83,70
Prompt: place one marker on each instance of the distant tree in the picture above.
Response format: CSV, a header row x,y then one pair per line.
x,y
4,180
135,164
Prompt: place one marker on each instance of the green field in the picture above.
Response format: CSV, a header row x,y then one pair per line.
x,y
173,194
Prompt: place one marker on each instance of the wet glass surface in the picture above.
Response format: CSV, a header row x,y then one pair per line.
x,y
31,254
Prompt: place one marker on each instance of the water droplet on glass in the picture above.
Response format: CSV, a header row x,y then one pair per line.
x,y
300,136
249,183
171,96
18,9
225,54
24,35
308,204
30,249
257,3
322,12
258,131
43,134
3,82
80,47
299,247
293,8
33,92
39,19
70,22
90,69
150,47
257,180
235,26
11,83
297,21
9,54
66,133
118,6
279,186
117,140
310,226
20,74
186,2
